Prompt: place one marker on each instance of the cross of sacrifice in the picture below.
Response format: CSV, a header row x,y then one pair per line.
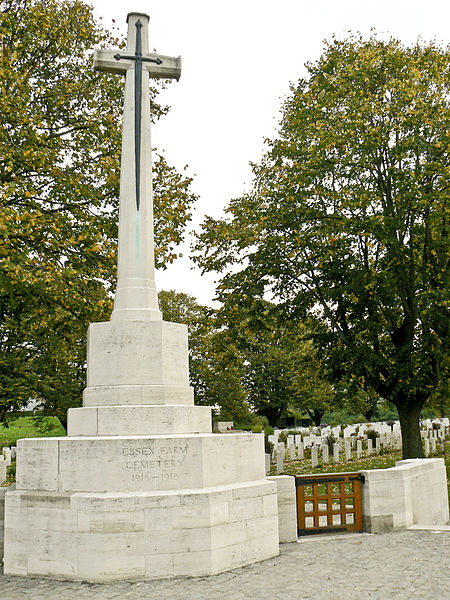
x,y
136,297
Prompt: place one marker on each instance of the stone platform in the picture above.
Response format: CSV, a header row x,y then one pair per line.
x,y
140,535
105,508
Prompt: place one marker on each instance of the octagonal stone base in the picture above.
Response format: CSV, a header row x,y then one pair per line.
x,y
140,535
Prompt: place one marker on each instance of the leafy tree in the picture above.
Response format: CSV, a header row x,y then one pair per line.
x,y
348,219
60,133
281,369
215,366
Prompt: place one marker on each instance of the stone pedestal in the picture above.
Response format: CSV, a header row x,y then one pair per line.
x,y
140,488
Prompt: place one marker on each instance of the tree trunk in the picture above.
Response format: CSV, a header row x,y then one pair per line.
x,y
409,423
370,412
63,419
316,415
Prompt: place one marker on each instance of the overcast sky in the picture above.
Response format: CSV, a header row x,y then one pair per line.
x,y
239,58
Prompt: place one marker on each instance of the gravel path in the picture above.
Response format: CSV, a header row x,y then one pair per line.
x,y
402,565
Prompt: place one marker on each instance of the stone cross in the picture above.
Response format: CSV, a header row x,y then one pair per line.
x,y
136,298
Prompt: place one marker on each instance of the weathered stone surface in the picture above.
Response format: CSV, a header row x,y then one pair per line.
x,y
137,355
138,420
143,535
413,492
141,463
286,507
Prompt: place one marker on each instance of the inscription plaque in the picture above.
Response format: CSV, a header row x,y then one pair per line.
x,y
144,463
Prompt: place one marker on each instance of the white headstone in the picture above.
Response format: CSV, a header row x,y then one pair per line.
x,y
7,455
314,456
358,448
292,454
433,446
336,452
426,447
377,445
300,450
369,447
348,451
325,455
280,458
2,469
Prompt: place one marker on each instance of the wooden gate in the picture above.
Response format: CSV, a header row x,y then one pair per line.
x,y
329,503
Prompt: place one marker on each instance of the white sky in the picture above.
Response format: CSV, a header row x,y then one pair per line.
x,y
238,58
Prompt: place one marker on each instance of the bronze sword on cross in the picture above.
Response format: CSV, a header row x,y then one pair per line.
x,y
138,59
158,67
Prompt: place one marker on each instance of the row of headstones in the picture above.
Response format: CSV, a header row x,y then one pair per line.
x,y
296,450
6,457
310,440
428,423
432,446
316,435
438,434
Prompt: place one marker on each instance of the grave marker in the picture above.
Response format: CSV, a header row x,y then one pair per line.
x,y
336,452
292,454
358,448
348,451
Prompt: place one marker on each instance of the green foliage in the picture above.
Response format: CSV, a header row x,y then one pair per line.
x,y
28,427
348,220
214,367
330,440
60,134
372,435
281,372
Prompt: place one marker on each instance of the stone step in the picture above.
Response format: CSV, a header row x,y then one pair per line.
x,y
139,463
138,420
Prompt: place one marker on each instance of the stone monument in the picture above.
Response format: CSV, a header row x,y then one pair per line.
x,y
140,488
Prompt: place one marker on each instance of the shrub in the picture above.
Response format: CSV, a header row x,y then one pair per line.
x,y
268,446
330,440
372,434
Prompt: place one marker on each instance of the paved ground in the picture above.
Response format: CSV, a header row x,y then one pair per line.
x,y
405,565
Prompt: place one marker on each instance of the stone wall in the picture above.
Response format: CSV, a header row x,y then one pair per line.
x,y
2,519
287,507
412,492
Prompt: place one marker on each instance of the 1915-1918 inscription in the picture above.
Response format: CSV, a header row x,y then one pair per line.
x,y
145,462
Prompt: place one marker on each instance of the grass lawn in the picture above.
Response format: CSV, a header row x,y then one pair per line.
x,y
26,427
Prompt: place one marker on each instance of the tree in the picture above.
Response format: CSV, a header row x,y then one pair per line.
x,y
281,369
348,219
215,366
60,133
